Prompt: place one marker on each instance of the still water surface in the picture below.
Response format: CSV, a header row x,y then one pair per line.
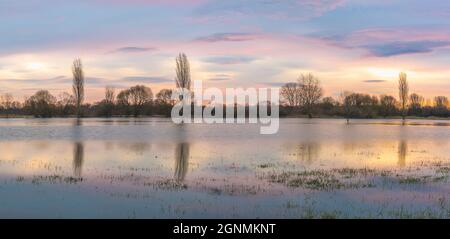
x,y
151,168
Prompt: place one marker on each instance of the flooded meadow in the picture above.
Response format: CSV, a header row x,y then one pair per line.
x,y
152,168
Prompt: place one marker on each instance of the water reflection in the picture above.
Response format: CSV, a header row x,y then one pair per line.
x,y
308,151
135,147
78,158
181,154
181,161
126,167
78,122
402,153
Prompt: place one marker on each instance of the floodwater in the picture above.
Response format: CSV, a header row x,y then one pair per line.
x,y
152,168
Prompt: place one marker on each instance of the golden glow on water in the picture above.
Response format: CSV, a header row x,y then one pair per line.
x,y
44,156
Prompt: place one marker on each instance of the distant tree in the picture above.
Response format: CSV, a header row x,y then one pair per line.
x,y
441,102
41,104
347,104
183,78
403,93
7,102
65,103
124,101
106,106
440,106
136,97
291,93
78,84
123,98
328,105
109,94
164,96
415,103
360,105
310,92
387,105
163,103
140,96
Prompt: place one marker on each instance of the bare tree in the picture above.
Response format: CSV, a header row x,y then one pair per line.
x,y
41,104
65,103
310,92
415,103
183,78
7,101
416,100
108,104
387,105
78,84
109,95
347,104
140,95
123,98
291,92
441,102
403,93
164,96
136,96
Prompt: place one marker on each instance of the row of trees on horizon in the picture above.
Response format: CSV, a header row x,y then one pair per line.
x,y
301,98
306,97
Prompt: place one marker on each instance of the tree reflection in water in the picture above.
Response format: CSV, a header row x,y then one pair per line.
x,y
308,151
181,153
181,161
78,158
402,153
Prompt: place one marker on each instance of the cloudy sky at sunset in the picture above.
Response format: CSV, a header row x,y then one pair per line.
x,y
350,45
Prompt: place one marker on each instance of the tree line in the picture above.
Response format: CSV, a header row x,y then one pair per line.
x,y
301,98
135,101
305,97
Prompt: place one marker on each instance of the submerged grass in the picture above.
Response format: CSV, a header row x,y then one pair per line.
x,y
412,180
266,165
349,178
169,185
322,179
52,179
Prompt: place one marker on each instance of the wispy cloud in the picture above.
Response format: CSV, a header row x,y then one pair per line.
x,y
274,84
293,9
94,81
156,79
57,80
152,2
230,37
132,49
53,80
391,42
405,47
229,60
221,77
374,81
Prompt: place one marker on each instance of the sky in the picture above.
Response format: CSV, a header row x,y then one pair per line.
x,y
350,45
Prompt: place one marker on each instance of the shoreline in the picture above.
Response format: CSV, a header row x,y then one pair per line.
x,y
281,117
